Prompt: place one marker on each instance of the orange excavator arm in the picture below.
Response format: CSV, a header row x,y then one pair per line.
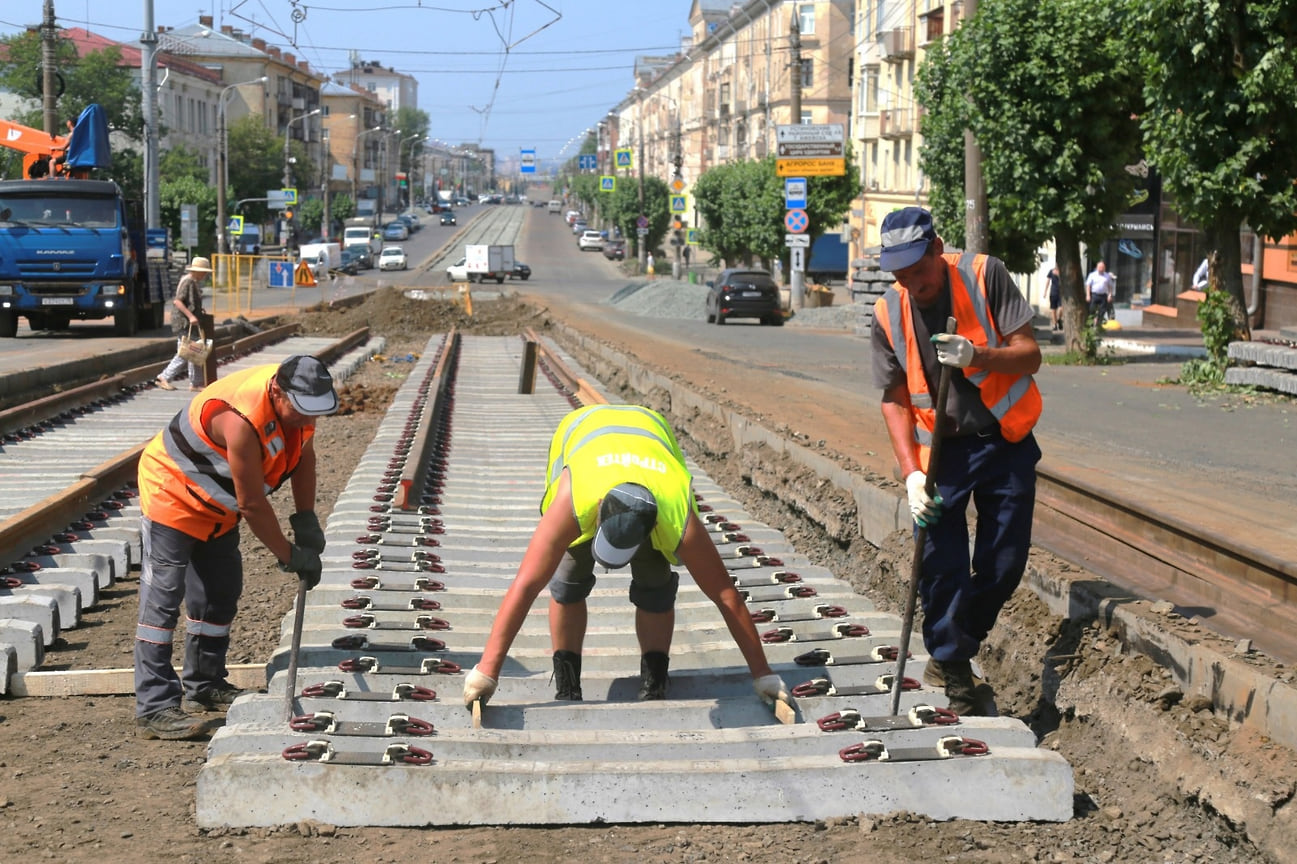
x,y
42,151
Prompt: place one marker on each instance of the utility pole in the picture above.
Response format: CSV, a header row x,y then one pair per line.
x,y
796,284
49,101
149,105
977,212
677,185
639,160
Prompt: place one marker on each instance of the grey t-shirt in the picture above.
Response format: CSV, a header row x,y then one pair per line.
x,y
190,293
964,409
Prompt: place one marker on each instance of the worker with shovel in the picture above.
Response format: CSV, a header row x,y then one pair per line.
x,y
988,452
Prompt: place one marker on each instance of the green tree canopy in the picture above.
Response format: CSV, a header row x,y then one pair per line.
x,y
256,164
1050,90
1220,85
183,180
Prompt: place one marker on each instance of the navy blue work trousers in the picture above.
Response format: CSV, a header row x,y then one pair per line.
x,y
207,575
962,595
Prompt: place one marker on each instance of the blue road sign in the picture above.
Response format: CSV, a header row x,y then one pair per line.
x,y
588,161
528,165
623,157
796,222
679,204
236,225
607,183
795,193
281,274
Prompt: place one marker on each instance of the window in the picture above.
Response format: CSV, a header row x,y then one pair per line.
x,y
869,92
808,73
806,19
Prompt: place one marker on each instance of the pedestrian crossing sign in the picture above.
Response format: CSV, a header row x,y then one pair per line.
x,y
679,203
691,236
236,225
607,183
623,157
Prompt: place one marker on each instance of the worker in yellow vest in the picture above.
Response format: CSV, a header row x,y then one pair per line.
x,y
617,493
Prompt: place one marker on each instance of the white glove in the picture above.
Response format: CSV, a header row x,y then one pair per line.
x,y
771,689
924,509
478,686
953,350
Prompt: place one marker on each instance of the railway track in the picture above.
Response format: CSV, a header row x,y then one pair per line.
x,y
1075,519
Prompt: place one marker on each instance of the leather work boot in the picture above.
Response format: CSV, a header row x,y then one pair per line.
x,y
172,724
653,676
218,697
567,676
968,695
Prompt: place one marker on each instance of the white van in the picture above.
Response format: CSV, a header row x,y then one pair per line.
x,y
321,257
555,207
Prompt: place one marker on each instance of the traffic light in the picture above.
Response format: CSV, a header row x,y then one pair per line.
x,y
288,214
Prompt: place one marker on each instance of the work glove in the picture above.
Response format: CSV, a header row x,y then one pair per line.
x,y
925,509
771,689
305,563
478,686
307,530
953,350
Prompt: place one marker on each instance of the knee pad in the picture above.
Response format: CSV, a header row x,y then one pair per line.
x,y
655,598
564,593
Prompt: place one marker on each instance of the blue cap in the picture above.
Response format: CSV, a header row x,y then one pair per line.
x,y
907,234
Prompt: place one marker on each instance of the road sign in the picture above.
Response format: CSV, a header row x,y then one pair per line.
x,y
797,264
281,274
796,221
278,199
810,167
189,225
236,225
795,193
641,222
588,162
528,162
303,275
623,157
797,240
691,236
642,232
607,183
679,203
810,133
677,185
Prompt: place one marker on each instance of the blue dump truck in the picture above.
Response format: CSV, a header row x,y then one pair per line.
x,y
75,249
828,259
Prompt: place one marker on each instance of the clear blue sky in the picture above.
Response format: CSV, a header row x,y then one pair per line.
x,y
509,73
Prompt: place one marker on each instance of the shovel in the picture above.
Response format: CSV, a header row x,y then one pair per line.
x,y
921,536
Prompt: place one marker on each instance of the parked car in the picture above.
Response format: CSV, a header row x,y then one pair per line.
x,y
589,239
411,221
614,250
392,258
448,217
743,293
396,231
579,226
520,271
350,262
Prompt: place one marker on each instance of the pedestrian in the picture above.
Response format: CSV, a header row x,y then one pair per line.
x,y
188,305
650,264
1099,286
617,492
213,465
1055,285
1200,276
989,454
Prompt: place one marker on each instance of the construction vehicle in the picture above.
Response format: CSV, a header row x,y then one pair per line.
x,y
72,247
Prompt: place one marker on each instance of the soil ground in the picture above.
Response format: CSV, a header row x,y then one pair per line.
x,y
1159,776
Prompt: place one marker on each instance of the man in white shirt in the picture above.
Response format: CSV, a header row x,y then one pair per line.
x,y
1099,288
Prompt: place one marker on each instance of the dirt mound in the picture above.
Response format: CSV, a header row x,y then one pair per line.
x,y
394,313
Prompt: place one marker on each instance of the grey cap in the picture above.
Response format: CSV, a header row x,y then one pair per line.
x,y
308,385
626,518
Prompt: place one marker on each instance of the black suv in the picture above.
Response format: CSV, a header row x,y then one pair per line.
x,y
743,293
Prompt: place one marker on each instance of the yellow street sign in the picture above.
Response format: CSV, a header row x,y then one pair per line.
x,y
810,167
303,274
677,185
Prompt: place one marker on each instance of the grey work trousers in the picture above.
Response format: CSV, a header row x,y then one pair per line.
x,y
208,576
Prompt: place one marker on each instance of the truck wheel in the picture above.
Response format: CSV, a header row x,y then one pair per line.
x,y
124,323
37,321
8,325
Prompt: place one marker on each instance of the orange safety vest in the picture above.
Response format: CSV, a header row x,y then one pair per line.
x,y
1014,400
185,478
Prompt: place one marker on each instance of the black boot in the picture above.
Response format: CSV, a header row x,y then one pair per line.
x,y
653,676
567,676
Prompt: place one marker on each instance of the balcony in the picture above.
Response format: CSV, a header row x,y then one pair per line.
x,y
896,123
898,44
869,124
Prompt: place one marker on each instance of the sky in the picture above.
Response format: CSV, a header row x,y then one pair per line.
x,y
508,74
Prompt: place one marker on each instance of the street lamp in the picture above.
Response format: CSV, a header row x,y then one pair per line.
x,y
223,172
399,148
287,177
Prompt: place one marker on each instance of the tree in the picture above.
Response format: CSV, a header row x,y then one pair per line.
x,y
255,163
1050,90
184,181
1220,89
741,205
97,78
409,122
